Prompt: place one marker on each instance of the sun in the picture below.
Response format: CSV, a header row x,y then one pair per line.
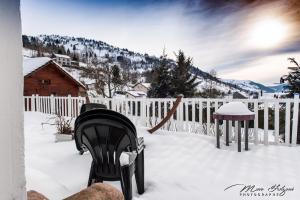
x,y
268,33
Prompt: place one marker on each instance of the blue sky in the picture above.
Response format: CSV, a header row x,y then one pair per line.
x,y
215,34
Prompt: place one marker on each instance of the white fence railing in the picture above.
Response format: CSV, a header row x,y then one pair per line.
x,y
276,120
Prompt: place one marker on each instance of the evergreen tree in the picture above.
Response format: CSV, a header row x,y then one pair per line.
x,y
61,50
75,57
293,78
26,42
116,77
161,79
182,80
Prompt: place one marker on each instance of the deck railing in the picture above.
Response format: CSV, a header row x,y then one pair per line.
x,y
276,120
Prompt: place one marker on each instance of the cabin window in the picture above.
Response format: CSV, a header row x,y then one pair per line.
x,y
45,82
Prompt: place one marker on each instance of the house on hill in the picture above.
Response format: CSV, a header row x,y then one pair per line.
x,y
61,59
144,87
238,95
45,77
136,94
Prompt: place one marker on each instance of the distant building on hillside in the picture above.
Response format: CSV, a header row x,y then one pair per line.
x,y
63,60
238,95
136,94
45,77
144,87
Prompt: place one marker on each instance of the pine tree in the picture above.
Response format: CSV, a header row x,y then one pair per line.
x,y
182,80
293,78
26,42
161,80
116,77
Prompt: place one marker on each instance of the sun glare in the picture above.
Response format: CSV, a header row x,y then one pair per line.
x,y
268,33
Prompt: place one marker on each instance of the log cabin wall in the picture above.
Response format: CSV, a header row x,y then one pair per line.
x,y
49,80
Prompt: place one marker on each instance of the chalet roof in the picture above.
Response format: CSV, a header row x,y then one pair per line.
x,y
238,95
146,85
62,56
32,64
137,93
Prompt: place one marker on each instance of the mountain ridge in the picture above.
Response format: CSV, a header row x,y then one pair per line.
x,y
86,49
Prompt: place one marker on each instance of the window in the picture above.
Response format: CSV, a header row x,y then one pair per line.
x,y
45,82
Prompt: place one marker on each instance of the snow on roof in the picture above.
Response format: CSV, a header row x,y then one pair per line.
x,y
69,74
234,108
147,85
137,93
32,64
62,56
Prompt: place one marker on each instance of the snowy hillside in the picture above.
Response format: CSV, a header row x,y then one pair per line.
x,y
279,87
85,50
249,85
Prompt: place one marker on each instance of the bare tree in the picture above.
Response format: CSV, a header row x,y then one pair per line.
x,y
210,90
106,75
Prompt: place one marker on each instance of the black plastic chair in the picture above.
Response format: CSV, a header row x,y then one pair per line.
x,y
109,135
86,107
91,106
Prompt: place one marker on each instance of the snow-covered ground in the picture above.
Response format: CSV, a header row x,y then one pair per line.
x,y
177,166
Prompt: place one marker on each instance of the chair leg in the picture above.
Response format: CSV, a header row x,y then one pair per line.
x,y
92,175
139,172
126,182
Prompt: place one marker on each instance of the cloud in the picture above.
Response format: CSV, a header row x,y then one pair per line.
x,y
213,33
267,69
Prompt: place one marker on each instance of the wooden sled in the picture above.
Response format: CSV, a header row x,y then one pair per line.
x,y
168,116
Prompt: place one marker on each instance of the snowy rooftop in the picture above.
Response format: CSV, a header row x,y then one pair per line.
x,y
62,56
147,85
178,166
137,93
31,64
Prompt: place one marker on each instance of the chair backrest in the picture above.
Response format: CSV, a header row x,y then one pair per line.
x,y
91,106
106,134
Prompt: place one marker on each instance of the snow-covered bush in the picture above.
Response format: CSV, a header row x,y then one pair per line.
x,y
63,125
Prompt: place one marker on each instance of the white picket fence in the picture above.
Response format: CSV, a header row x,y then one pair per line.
x,y
191,115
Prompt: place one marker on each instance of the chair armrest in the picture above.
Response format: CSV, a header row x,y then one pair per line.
x,y
140,145
127,158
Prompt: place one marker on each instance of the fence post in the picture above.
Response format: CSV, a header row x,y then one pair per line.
x,y
276,122
32,103
287,123
266,122
208,116
295,119
38,103
52,104
256,122
69,106
143,111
